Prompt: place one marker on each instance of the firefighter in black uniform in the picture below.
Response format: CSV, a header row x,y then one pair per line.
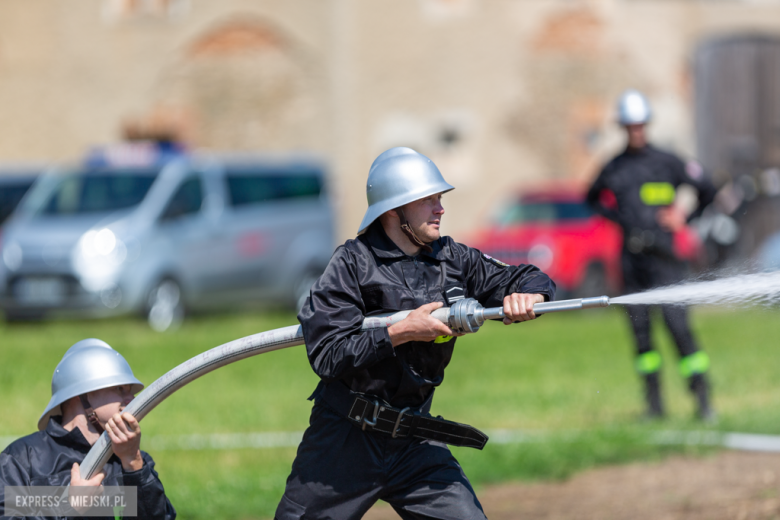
x,y
642,183
371,436
90,388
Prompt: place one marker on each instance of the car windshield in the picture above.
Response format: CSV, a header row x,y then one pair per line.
x,y
247,187
520,213
94,191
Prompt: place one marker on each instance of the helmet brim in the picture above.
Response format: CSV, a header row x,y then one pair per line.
x,y
54,406
375,210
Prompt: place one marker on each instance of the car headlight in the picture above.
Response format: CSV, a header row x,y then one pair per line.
x,y
98,257
100,243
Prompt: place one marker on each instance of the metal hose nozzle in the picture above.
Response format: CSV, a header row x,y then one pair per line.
x,y
595,301
467,315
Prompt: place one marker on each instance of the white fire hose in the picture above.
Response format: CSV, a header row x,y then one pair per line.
x,y
465,316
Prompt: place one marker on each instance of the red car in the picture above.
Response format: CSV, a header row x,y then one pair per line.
x,y
554,229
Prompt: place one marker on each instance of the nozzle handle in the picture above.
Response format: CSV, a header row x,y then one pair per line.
x,y
547,307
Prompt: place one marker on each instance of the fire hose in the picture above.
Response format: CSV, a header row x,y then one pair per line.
x,y
465,316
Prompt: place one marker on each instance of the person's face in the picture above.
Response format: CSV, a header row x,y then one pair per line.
x,y
424,217
636,136
108,401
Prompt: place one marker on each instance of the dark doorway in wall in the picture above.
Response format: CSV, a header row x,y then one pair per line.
x,y
738,105
737,81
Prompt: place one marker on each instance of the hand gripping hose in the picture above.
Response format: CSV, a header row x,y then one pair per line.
x,y
464,316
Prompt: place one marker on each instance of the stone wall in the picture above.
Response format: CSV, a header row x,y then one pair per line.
x,y
499,93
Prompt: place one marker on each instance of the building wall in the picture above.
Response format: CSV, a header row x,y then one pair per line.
x,y
499,93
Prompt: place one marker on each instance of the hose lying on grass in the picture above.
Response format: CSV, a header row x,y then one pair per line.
x,y
465,316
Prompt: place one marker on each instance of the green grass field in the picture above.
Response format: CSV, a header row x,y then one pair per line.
x,y
568,377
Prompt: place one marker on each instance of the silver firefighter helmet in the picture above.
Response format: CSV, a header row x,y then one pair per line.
x,y
89,365
400,176
633,108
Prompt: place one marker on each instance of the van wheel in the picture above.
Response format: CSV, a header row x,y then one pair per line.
x,y
165,306
595,282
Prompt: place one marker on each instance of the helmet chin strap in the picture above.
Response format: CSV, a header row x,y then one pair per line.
x,y
407,229
90,413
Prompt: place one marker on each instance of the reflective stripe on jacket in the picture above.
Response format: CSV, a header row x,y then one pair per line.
x,y
642,182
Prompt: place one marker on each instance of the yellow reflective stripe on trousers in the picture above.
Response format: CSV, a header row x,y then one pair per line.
x,y
442,339
648,363
696,363
657,193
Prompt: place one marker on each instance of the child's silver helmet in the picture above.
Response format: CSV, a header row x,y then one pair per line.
x,y
400,176
89,365
633,108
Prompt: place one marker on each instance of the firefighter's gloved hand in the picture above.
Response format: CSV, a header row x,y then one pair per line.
x,y
520,307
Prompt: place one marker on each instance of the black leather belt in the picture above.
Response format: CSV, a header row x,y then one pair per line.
x,y
373,415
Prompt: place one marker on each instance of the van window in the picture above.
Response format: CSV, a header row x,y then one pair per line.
x,y
98,191
253,188
187,200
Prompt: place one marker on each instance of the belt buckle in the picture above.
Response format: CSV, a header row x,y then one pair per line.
x,y
397,425
371,423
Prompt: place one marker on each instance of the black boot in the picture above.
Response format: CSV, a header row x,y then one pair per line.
x,y
701,391
655,405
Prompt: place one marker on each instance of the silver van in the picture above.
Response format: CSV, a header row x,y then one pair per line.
x,y
191,232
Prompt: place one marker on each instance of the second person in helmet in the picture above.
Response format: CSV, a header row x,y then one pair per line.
x,y
642,182
371,436
91,386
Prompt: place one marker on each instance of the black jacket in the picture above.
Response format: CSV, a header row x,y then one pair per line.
x,y
371,275
45,458
642,182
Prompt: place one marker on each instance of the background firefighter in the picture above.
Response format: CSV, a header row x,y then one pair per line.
x,y
643,180
91,386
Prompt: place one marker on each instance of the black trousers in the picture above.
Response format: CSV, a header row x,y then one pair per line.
x,y
341,471
643,272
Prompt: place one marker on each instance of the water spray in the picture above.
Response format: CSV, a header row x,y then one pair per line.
x,y
754,288
465,316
